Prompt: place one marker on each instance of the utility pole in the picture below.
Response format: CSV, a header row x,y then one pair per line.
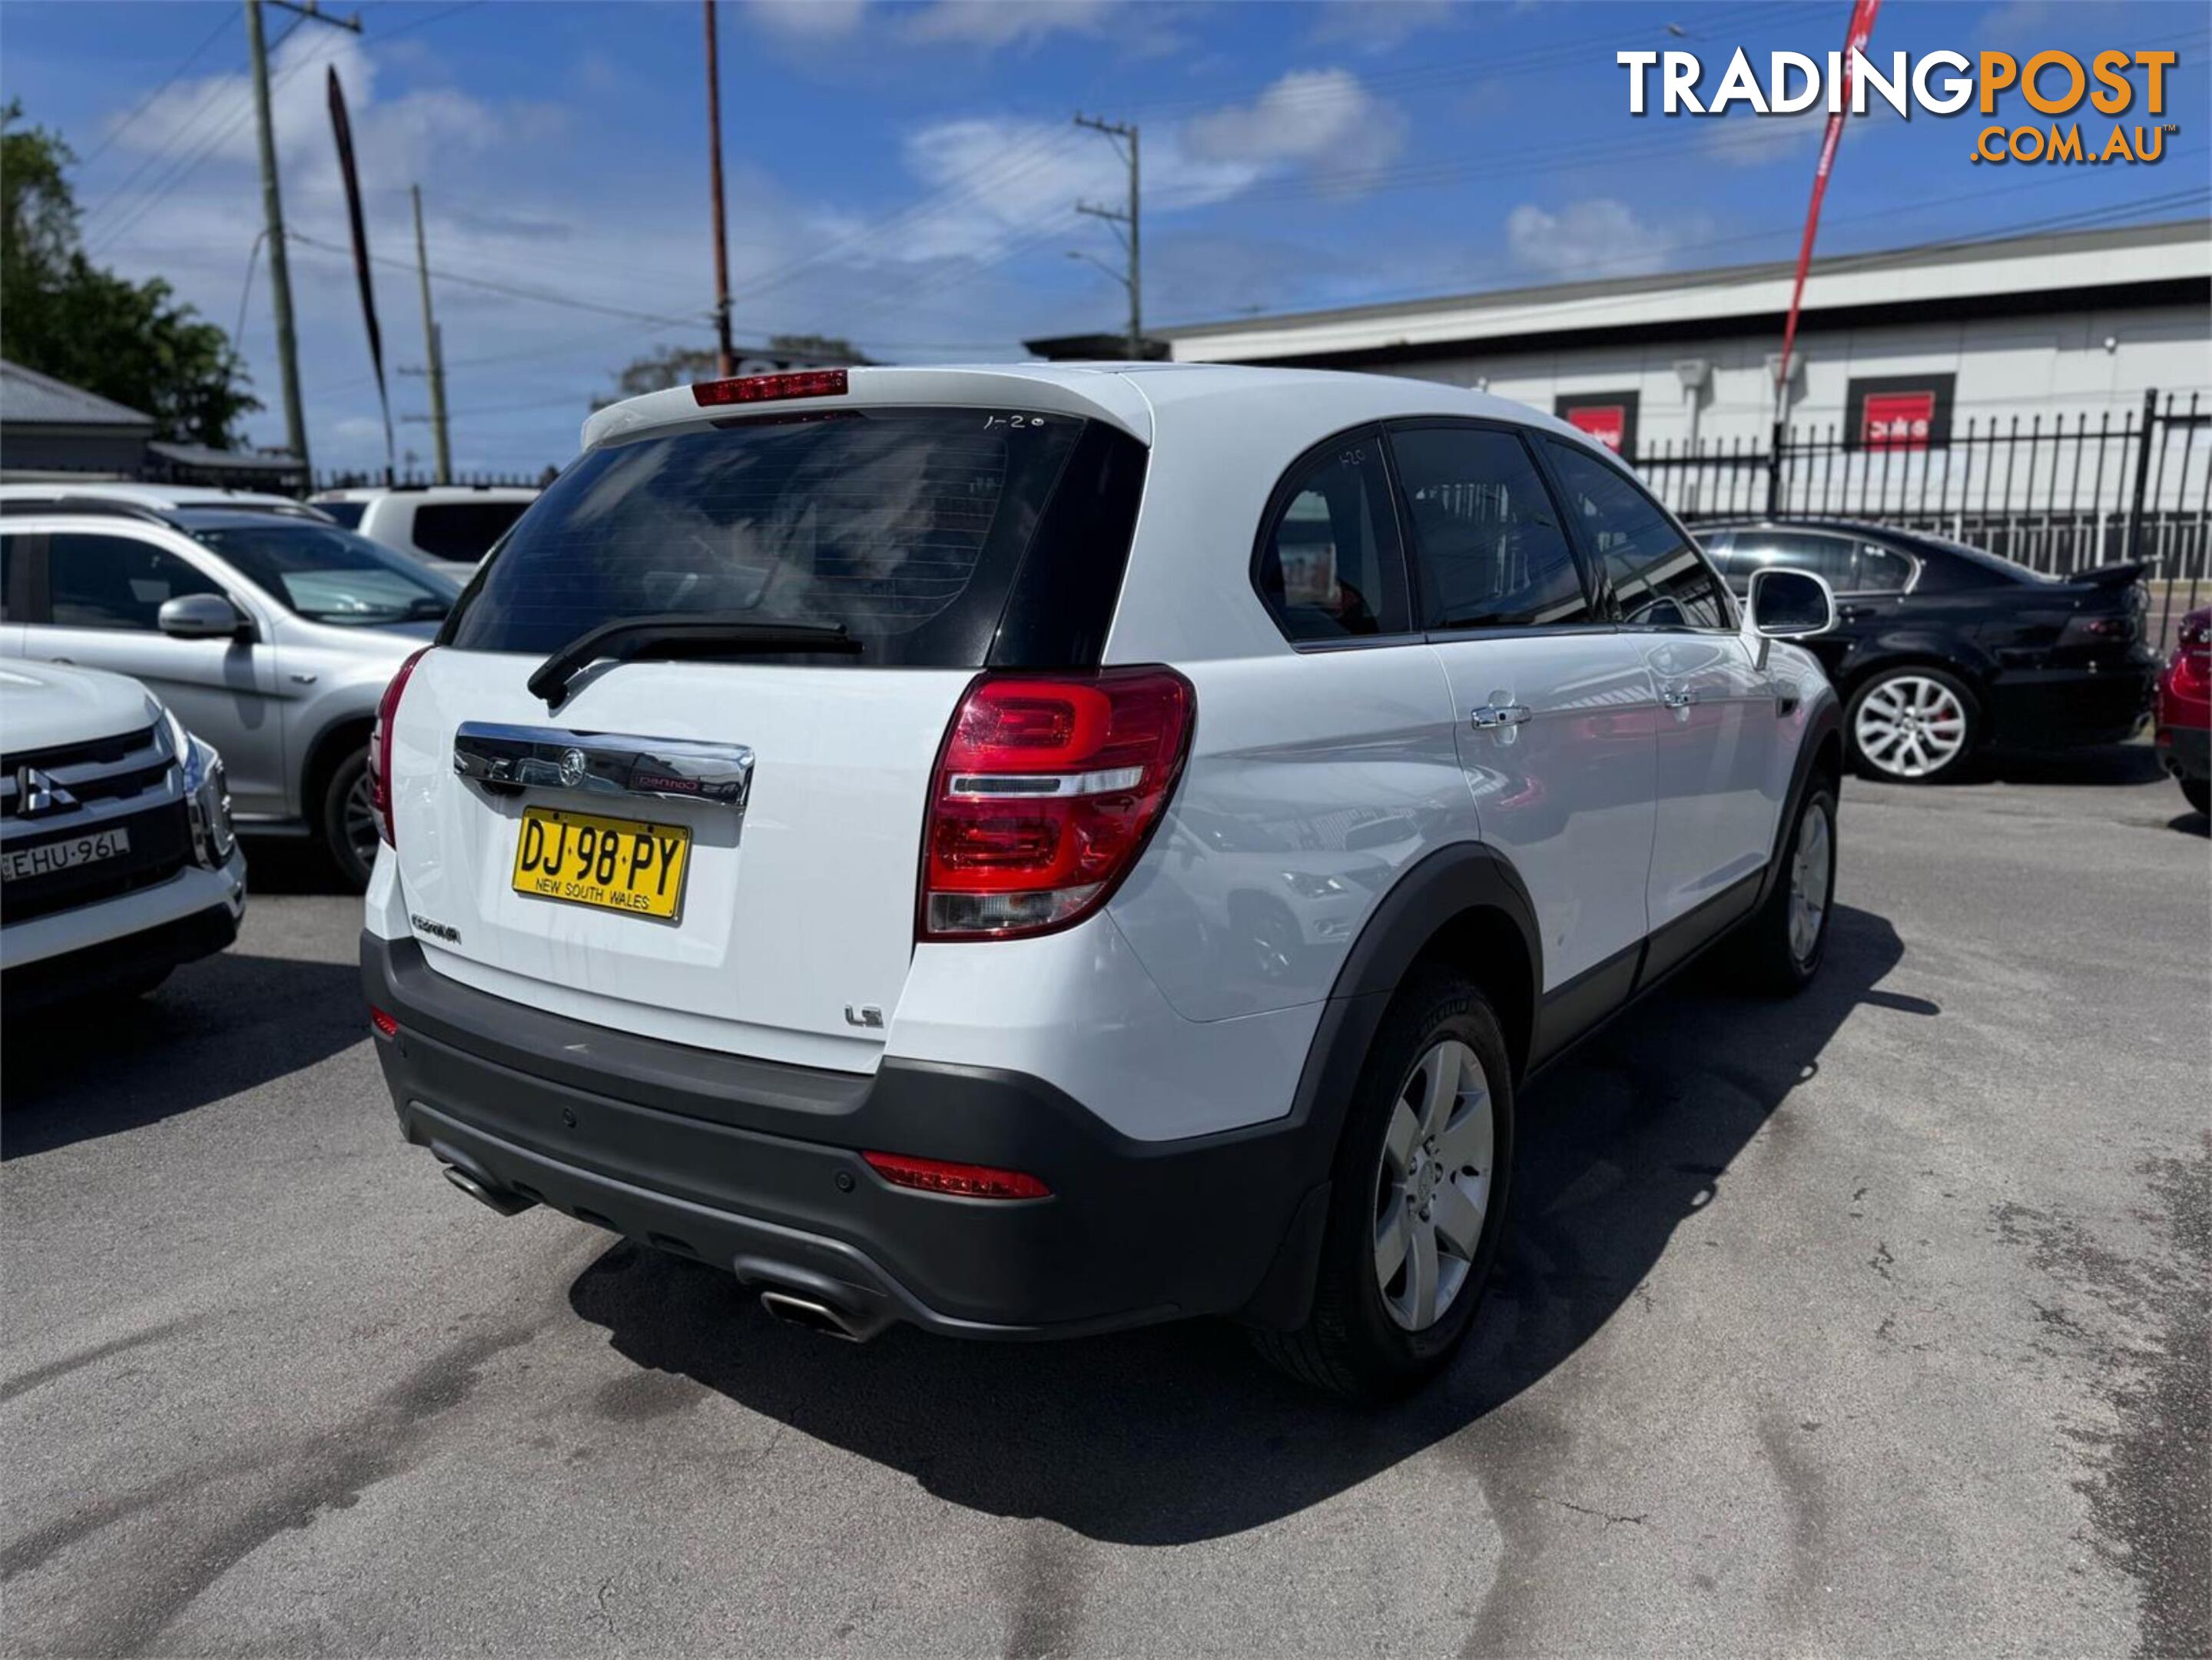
x,y
714,169
1125,225
433,346
272,207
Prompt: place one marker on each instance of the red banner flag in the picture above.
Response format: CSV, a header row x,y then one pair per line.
x,y
1862,30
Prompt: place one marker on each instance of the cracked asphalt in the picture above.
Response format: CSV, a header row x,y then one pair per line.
x,y
1872,1322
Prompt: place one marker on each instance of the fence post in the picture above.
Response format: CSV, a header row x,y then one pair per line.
x,y
1774,471
2142,473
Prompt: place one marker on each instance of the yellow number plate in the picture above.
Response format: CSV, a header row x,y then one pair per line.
x,y
615,864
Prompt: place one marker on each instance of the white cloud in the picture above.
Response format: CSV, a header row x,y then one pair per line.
x,y
808,19
994,23
1587,239
1377,26
1323,117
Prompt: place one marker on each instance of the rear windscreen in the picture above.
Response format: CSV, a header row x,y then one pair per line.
x,y
905,526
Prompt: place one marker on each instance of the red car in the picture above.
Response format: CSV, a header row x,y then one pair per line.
x,y
2184,710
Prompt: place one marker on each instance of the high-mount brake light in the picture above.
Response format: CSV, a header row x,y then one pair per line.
x,y
1046,790
379,751
768,388
960,1181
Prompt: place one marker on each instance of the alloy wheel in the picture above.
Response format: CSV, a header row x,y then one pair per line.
x,y
357,820
1911,726
1432,1184
1812,873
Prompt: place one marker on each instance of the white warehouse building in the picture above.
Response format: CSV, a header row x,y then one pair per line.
x,y
1913,369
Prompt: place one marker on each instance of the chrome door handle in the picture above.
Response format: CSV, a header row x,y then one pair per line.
x,y
1677,697
1499,714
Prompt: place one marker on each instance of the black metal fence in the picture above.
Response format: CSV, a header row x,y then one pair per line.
x,y
2058,495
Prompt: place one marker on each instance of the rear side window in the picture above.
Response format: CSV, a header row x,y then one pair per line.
x,y
463,529
1486,537
1658,577
1881,570
346,514
115,581
905,526
1329,566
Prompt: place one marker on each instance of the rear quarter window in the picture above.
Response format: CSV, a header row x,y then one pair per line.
x,y
911,528
463,529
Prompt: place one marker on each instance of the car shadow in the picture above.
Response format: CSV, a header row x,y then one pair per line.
x,y
225,1024
1179,1432
290,864
2098,765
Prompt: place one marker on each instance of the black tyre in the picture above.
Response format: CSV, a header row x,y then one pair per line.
x,y
348,821
1781,946
1417,1200
1913,725
2197,792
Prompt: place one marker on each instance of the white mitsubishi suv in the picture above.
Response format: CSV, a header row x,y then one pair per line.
x,y
1031,850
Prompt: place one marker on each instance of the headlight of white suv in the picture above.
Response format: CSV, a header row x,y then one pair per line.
x,y
207,794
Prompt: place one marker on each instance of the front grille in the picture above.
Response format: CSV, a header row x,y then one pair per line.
x,y
118,768
160,846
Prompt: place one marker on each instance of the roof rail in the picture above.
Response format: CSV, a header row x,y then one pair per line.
x,y
15,507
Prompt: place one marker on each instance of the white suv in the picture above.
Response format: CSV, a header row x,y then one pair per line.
x,y
118,863
451,527
1031,850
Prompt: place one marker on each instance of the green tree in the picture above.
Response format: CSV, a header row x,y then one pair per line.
x,y
64,316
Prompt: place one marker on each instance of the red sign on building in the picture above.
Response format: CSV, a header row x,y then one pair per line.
x,y
1897,420
1606,423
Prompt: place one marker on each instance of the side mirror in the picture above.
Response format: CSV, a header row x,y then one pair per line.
x,y
201,617
1790,604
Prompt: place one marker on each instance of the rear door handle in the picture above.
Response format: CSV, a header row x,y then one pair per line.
x,y
1499,714
1677,697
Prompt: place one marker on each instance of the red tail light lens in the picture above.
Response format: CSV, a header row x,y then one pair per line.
x,y
386,1025
380,750
1046,791
962,1181
769,388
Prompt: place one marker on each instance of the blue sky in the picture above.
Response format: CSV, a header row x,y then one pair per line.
x,y
905,174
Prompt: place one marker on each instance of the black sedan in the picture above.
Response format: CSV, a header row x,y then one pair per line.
x,y
1942,649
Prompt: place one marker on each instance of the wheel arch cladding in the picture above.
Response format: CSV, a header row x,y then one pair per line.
x,y
326,753
1957,659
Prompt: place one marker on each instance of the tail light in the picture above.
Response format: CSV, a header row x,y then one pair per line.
x,y
379,751
2107,629
770,388
1045,794
961,1181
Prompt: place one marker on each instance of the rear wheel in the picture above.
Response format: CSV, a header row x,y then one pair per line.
x,y
1913,726
1418,1199
348,820
1783,942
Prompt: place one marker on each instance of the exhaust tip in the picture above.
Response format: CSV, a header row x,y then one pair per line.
x,y
805,1312
497,1199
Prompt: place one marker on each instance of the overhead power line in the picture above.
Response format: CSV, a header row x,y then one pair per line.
x,y
222,23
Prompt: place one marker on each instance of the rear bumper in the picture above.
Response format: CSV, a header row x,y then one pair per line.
x,y
2065,708
2186,751
758,1167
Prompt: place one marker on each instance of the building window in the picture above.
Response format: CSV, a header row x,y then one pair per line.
x,y
1899,412
1608,416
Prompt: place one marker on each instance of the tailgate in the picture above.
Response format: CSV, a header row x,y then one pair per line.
x,y
795,915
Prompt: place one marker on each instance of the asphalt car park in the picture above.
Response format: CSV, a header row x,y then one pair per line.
x,y
1871,1320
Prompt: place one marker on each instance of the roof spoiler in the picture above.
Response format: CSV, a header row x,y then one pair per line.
x,y
2110,576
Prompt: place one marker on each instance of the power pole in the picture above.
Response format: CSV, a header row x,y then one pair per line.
x,y
272,207
1125,225
433,345
714,168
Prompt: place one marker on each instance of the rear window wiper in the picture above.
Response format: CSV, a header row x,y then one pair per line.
x,y
678,635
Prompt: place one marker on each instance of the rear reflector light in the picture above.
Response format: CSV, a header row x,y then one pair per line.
x,y
768,388
963,1181
386,1025
1046,791
379,751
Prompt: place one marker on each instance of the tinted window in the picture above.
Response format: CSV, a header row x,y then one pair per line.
x,y
1829,556
463,529
114,581
904,526
1329,564
331,575
1881,570
346,514
8,580
1658,576
1490,549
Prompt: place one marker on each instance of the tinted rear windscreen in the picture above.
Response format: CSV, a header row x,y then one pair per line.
x,y
906,526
